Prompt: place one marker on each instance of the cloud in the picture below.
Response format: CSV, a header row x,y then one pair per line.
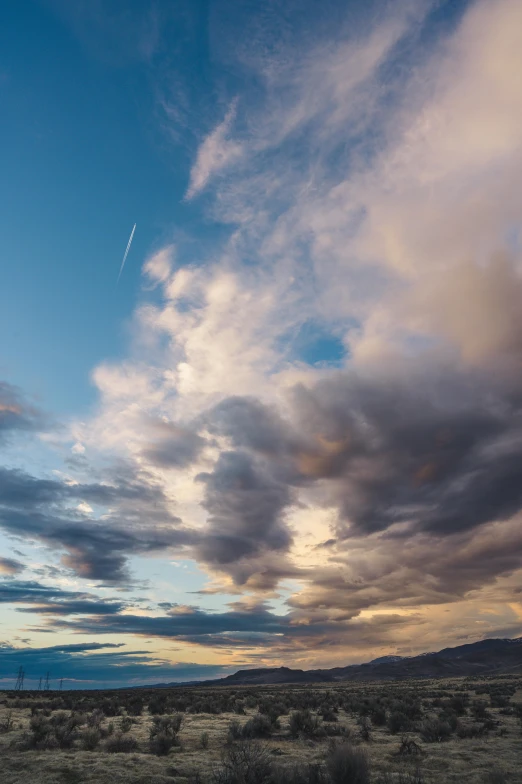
x,y
15,413
98,665
95,548
174,446
245,504
371,186
216,153
51,600
10,566
158,267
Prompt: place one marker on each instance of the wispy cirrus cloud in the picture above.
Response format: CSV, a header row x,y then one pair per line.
x,y
217,152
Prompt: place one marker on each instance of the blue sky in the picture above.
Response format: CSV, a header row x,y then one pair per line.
x,y
291,432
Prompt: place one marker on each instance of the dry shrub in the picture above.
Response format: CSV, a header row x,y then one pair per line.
x,y
121,744
347,764
90,738
244,763
7,723
303,722
163,733
434,730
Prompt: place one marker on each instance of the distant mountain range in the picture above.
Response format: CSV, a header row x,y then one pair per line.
x,y
487,657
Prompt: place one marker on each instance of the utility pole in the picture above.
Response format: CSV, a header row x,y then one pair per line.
x,y
40,684
20,680
46,687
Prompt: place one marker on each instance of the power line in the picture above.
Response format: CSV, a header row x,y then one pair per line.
x,y
20,680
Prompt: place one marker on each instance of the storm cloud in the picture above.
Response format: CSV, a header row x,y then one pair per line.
x,y
245,502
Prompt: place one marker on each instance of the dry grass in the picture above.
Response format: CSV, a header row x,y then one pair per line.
x,y
459,760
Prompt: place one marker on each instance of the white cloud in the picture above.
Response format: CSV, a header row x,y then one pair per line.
x,y
159,266
387,243
216,153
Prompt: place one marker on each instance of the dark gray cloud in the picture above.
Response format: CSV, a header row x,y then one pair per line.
x,y
439,450
441,454
124,487
259,625
94,550
252,629
245,503
251,424
418,460
10,566
139,520
96,665
173,446
51,600
15,413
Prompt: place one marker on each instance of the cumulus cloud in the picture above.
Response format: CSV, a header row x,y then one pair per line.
x,y
413,444
173,446
245,504
378,197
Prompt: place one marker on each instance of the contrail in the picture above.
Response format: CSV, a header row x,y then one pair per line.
x,y
126,252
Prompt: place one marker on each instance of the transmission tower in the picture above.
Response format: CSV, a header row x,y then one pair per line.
x,y
61,683
20,680
47,687
40,684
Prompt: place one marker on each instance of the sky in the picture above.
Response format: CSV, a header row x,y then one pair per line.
x,y
291,432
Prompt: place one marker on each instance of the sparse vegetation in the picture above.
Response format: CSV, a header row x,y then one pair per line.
x,y
426,732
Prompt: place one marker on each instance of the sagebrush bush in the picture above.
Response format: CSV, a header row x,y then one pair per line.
x,y
163,733
161,744
259,726
378,716
90,738
348,764
234,731
398,722
244,763
434,730
121,744
303,722
95,718
7,723
125,724
365,729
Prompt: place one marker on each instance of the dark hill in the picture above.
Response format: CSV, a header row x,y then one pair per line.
x,y
487,657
